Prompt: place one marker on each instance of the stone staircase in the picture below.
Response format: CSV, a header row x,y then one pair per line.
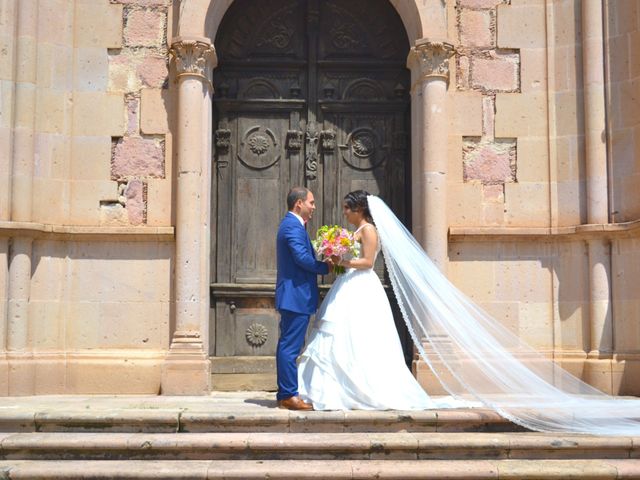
x,y
239,437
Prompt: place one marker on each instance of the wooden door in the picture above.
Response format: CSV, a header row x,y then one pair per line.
x,y
308,92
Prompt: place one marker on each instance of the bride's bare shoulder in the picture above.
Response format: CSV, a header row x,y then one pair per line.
x,y
368,231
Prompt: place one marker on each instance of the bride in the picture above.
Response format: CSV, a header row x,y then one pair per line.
x,y
353,359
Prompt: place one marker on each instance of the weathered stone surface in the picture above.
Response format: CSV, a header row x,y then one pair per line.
x,y
144,3
475,28
479,3
134,194
133,115
156,107
489,162
144,28
130,71
98,24
493,193
136,156
498,72
153,71
462,76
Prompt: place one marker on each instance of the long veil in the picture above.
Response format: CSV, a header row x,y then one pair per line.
x,y
475,357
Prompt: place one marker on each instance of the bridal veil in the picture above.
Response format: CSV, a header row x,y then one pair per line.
x,y
475,357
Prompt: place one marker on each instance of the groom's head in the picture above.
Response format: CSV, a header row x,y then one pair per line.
x,y
301,202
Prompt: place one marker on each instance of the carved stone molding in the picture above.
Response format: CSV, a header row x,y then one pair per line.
x,y
431,58
312,139
328,138
193,57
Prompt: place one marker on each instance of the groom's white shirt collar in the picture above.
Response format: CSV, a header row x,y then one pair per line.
x,y
298,217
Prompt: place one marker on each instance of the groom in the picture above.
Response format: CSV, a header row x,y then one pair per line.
x,y
296,292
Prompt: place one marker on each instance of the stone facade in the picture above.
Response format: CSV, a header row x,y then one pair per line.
x,y
525,147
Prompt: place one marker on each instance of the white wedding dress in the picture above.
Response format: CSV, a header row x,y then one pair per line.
x,y
353,359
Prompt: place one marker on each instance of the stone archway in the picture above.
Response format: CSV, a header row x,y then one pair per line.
x,y
187,369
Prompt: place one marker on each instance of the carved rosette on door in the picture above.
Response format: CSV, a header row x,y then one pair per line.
x,y
259,148
363,149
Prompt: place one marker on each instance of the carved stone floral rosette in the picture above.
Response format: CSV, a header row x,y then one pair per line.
x,y
431,58
194,57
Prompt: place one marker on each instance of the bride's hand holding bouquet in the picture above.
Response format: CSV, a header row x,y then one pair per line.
x,y
334,242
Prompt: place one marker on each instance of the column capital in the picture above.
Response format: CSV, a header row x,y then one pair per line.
x,y
193,56
430,58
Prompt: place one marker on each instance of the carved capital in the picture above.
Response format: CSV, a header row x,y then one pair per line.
x,y
431,58
194,57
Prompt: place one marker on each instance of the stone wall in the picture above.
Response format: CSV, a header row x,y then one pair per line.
x,y
87,182
623,25
517,180
498,175
86,190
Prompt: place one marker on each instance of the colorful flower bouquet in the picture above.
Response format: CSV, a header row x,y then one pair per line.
x,y
333,240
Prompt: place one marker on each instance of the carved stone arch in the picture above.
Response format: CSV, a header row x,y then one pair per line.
x,y
421,18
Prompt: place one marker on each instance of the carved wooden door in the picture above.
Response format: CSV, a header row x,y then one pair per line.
x,y
308,92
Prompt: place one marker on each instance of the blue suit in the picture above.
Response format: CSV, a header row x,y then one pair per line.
x,y
296,298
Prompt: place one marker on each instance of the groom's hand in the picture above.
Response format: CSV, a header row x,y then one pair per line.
x,y
329,264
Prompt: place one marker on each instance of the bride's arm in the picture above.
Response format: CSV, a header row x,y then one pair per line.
x,y
369,243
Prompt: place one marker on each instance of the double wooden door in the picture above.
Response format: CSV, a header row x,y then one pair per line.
x,y
307,92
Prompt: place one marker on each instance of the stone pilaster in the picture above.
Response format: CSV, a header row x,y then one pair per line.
x,y
187,368
429,64
598,368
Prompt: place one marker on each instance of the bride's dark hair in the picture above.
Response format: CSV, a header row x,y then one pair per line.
x,y
357,201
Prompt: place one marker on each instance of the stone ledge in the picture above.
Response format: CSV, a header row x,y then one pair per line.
x,y
322,469
355,446
77,232
222,412
613,230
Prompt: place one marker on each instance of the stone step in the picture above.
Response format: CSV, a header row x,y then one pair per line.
x,y
312,446
160,420
346,469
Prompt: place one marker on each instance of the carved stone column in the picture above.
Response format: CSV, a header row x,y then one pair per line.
x,y
429,64
187,369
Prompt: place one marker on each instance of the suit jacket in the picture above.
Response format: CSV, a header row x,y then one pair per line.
x,y
298,269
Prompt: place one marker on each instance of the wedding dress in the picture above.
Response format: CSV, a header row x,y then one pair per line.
x,y
353,358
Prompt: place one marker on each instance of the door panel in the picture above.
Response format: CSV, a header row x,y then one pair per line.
x,y
308,92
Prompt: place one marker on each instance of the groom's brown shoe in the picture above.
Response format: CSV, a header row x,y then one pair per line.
x,y
294,403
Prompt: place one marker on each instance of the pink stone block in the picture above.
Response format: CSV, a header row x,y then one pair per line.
x,y
138,157
153,71
463,72
480,3
489,162
144,28
475,29
497,74
134,194
133,108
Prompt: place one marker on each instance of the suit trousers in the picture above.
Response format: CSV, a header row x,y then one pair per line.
x,y
293,328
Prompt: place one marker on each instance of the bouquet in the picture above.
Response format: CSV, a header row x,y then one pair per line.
x,y
335,241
